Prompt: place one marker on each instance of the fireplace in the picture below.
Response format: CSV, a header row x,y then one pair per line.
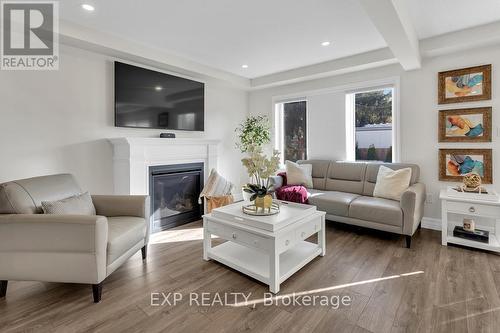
x,y
174,191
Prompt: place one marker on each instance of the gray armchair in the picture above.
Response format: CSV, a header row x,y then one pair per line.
x,y
67,248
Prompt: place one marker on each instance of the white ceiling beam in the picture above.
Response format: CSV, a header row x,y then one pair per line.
x,y
392,20
467,39
114,46
358,62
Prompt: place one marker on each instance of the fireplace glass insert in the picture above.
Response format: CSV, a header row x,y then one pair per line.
x,y
174,191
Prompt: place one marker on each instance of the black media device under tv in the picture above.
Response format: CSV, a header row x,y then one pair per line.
x,y
482,236
148,99
167,135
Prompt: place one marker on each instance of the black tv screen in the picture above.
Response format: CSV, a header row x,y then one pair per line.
x,y
150,99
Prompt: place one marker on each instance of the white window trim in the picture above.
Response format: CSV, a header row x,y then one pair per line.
x,y
350,120
393,81
278,126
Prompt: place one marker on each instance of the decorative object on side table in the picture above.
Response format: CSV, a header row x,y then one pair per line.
x,y
484,194
456,163
465,85
477,235
471,184
469,224
465,125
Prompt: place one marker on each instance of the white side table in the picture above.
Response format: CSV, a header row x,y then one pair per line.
x,y
484,209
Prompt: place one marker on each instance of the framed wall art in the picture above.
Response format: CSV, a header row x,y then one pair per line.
x,y
456,163
465,85
465,125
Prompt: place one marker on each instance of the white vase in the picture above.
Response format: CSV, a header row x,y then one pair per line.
x,y
246,195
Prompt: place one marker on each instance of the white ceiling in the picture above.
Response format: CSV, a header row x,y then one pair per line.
x,y
436,17
269,35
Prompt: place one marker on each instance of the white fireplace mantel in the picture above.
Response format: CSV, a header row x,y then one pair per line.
x,y
132,158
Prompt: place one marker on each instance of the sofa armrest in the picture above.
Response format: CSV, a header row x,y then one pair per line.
x,y
412,204
122,205
53,233
276,182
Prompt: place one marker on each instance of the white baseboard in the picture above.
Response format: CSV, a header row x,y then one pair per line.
x,y
431,223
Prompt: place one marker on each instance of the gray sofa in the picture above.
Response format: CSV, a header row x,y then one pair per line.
x,y
67,248
344,190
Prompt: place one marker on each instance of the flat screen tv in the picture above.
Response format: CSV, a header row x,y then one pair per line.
x,y
150,99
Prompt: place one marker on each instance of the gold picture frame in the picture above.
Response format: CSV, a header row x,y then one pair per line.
x,y
465,125
456,163
464,85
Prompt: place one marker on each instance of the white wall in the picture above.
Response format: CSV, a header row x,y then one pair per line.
x,y
418,113
58,121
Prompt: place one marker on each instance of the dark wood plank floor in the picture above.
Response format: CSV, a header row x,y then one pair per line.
x,y
428,288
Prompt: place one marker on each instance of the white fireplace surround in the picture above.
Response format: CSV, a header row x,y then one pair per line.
x,y
132,158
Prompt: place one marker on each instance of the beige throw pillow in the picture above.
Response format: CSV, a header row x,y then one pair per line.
x,y
80,204
299,174
391,183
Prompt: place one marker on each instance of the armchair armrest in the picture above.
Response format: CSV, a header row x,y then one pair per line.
x,y
53,233
412,204
56,248
122,205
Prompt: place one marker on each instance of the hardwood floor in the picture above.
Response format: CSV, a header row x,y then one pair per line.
x,y
428,288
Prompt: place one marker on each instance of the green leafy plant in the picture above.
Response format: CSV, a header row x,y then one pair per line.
x,y
358,152
254,131
372,153
388,155
256,190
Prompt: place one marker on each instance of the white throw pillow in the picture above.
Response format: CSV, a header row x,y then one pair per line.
x,y
80,204
391,183
299,174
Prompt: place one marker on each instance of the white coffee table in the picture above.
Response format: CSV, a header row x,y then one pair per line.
x,y
267,248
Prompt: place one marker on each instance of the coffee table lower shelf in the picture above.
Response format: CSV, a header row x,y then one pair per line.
x,y
256,264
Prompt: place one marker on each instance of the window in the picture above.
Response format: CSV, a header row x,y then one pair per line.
x,y
370,117
291,130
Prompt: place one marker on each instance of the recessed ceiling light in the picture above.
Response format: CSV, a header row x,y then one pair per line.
x,y
88,7
326,43
244,66
158,88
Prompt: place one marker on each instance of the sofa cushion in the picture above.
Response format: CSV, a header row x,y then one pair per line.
x,y
346,177
299,174
332,202
372,173
379,210
76,205
391,183
123,233
293,193
25,196
319,171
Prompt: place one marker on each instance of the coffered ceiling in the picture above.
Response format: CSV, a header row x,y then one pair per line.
x,y
275,37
